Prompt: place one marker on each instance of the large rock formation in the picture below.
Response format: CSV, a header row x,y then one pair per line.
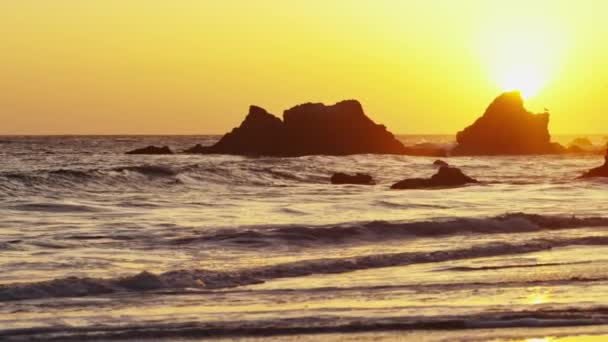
x,y
507,128
601,171
261,133
307,129
447,176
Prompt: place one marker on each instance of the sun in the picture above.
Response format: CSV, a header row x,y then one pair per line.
x,y
522,56
528,79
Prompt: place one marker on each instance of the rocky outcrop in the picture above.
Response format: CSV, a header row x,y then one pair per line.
x,y
341,129
440,163
261,133
359,178
152,150
308,129
601,171
446,177
197,149
507,128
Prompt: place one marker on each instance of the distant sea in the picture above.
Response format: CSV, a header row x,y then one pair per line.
x,y
96,244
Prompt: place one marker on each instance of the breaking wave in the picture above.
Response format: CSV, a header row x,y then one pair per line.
x,y
311,236
207,279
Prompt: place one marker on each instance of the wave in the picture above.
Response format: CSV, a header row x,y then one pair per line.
x,y
307,236
539,318
209,280
156,175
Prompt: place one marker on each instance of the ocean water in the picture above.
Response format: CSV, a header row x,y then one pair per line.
x,y
96,244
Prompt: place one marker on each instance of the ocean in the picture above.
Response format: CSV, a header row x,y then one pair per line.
x,y
99,245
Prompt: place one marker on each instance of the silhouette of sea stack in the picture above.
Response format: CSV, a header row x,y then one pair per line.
x,y
261,133
307,129
601,171
507,128
447,176
359,178
151,150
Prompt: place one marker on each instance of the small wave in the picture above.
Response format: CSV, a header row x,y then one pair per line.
x,y
206,279
55,208
325,324
150,170
381,230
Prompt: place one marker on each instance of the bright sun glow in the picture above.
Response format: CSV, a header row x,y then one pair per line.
x,y
522,56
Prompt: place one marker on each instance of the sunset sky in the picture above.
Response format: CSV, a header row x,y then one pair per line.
x,y
194,66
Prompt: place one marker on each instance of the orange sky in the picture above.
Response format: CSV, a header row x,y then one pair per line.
x,y
194,66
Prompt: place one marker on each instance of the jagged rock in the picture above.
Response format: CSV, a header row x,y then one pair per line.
x,y
446,177
359,178
308,129
440,163
507,128
341,129
601,171
152,150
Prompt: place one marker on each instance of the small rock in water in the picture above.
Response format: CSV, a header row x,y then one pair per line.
x,y
359,178
601,171
445,177
152,150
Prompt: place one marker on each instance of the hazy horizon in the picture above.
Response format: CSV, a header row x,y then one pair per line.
x,y
194,67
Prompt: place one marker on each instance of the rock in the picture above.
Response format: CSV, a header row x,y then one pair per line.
x,y
261,133
308,129
440,163
198,149
446,177
583,143
341,129
151,150
506,128
601,171
359,178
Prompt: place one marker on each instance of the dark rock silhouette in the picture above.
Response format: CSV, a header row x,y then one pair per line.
x,y
446,177
359,178
440,163
197,149
261,133
341,129
507,128
307,129
601,171
151,150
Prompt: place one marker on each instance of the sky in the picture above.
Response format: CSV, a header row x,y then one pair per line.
x,y
194,66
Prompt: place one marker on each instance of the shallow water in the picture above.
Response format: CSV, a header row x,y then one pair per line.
x,y
241,246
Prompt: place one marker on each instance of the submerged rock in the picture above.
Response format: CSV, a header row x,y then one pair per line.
x,y
446,177
601,171
359,178
507,128
152,150
307,129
